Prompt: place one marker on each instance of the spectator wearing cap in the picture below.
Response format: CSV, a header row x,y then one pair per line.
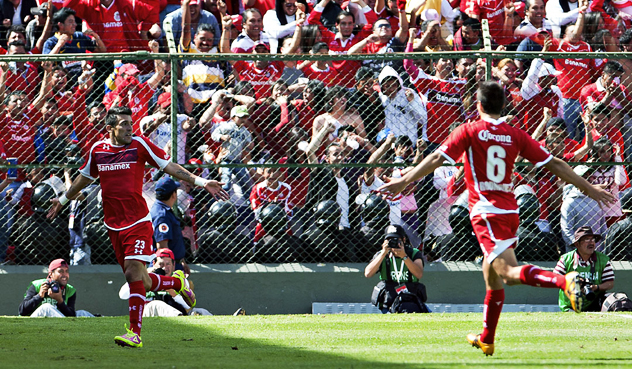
x,y
261,73
237,144
38,30
593,266
539,91
252,31
132,93
157,127
67,40
397,262
579,210
124,25
52,296
195,19
167,230
618,242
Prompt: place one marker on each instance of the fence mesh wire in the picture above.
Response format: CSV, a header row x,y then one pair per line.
x,y
302,147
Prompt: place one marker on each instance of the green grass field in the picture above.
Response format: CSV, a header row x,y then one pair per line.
x,y
548,340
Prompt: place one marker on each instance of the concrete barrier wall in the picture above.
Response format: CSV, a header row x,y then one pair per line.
x,y
283,288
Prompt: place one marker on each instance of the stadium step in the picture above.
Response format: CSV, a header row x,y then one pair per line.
x,y
367,308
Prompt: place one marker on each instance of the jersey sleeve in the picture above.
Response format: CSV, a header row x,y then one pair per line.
x,y
89,167
162,230
532,151
255,201
455,145
152,154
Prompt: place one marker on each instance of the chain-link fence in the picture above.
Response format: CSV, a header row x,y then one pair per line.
x,y
302,143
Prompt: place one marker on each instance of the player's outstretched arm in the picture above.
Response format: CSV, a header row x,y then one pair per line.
x,y
566,173
212,187
427,166
79,184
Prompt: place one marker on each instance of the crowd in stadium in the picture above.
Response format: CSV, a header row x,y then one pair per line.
x,y
311,111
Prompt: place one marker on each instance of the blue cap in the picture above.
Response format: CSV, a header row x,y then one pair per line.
x,y
166,186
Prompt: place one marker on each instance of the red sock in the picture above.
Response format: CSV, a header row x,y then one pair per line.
x,y
136,305
491,313
162,283
534,276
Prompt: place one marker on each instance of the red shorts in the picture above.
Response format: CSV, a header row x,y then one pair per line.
x,y
495,233
134,243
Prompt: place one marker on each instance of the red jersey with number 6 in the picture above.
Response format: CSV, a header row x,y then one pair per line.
x,y
121,170
491,147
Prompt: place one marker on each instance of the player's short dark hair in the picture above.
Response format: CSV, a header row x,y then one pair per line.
x,y
612,67
472,23
403,140
205,27
111,119
332,93
600,109
63,14
247,13
95,104
364,73
17,28
13,93
626,37
343,14
318,46
492,97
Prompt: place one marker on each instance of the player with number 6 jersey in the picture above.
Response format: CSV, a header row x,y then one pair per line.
x,y
120,164
491,147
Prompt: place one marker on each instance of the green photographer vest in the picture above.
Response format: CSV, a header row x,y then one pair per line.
x,y
67,293
571,263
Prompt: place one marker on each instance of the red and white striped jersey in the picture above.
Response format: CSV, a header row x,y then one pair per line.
x,y
121,170
491,147
261,195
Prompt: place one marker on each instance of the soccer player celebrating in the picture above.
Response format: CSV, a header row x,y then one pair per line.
x,y
492,146
120,163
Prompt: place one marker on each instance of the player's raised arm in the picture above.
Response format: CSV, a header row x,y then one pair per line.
x,y
427,166
212,187
79,184
566,173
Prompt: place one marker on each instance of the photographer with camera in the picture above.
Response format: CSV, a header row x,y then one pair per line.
x,y
593,267
400,268
52,296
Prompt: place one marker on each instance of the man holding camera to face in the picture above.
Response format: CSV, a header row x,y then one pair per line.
x,y
52,296
593,267
400,267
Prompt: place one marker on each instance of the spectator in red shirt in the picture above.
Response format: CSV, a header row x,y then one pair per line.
x,y
607,90
499,14
602,126
262,6
321,70
133,94
91,128
122,24
468,37
21,76
69,98
554,126
341,41
270,190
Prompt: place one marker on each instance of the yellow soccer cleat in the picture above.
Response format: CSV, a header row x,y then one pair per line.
x,y
573,291
475,340
130,339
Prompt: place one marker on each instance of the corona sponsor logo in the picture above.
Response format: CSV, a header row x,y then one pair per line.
x,y
487,136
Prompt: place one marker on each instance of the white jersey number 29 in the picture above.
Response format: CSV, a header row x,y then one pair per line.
x,y
496,166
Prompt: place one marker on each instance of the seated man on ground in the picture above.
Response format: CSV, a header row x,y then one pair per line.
x,y
52,296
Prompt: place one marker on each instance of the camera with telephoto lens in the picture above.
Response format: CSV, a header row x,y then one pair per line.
x,y
393,243
588,292
53,286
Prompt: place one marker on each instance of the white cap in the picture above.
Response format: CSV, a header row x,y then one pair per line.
x,y
523,189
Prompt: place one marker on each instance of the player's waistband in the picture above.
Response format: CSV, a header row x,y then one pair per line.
x,y
146,218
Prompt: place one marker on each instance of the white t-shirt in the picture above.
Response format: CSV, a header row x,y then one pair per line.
x,y
395,203
161,136
342,198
